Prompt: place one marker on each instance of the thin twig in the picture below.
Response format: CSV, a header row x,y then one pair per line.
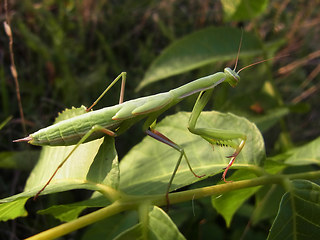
x,y
290,67
306,93
13,68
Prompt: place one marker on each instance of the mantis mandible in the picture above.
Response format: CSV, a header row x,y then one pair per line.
x,y
115,120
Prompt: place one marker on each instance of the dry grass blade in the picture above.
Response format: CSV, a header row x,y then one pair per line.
x,y
13,68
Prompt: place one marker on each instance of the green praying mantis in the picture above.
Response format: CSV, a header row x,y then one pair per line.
x,y
115,120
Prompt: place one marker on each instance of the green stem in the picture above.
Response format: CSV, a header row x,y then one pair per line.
x,y
223,188
80,222
109,192
127,202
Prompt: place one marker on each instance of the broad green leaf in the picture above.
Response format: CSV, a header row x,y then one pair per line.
x,y
273,167
270,118
239,10
12,210
111,227
264,121
69,212
298,215
307,154
133,233
69,113
64,213
147,168
105,167
82,170
198,49
74,173
228,203
160,227
267,203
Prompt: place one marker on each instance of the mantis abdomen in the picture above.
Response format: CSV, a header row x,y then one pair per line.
x,y
70,131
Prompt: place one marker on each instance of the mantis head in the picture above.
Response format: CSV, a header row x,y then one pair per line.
x,y
231,77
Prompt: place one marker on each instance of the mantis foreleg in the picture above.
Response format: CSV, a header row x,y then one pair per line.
x,y
215,136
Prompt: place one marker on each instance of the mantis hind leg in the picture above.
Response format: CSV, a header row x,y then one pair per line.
x,y
216,136
123,76
160,137
95,128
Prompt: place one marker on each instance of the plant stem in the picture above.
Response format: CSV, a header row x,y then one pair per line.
x,y
131,202
80,222
223,188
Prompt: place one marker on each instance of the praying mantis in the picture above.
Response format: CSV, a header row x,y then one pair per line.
x,y
115,120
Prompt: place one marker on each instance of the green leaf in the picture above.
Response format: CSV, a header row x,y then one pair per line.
x,y
228,203
267,203
198,49
69,212
111,227
239,10
64,213
268,197
273,167
304,155
72,175
12,210
88,165
298,215
160,227
147,168
69,113
105,167
270,118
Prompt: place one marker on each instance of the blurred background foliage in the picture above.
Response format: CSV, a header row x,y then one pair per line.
x,y
66,53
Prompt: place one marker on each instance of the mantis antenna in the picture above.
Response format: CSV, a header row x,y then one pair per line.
x,y
265,60
237,59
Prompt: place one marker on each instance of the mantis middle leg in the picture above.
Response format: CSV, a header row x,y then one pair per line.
x,y
123,76
161,138
215,136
